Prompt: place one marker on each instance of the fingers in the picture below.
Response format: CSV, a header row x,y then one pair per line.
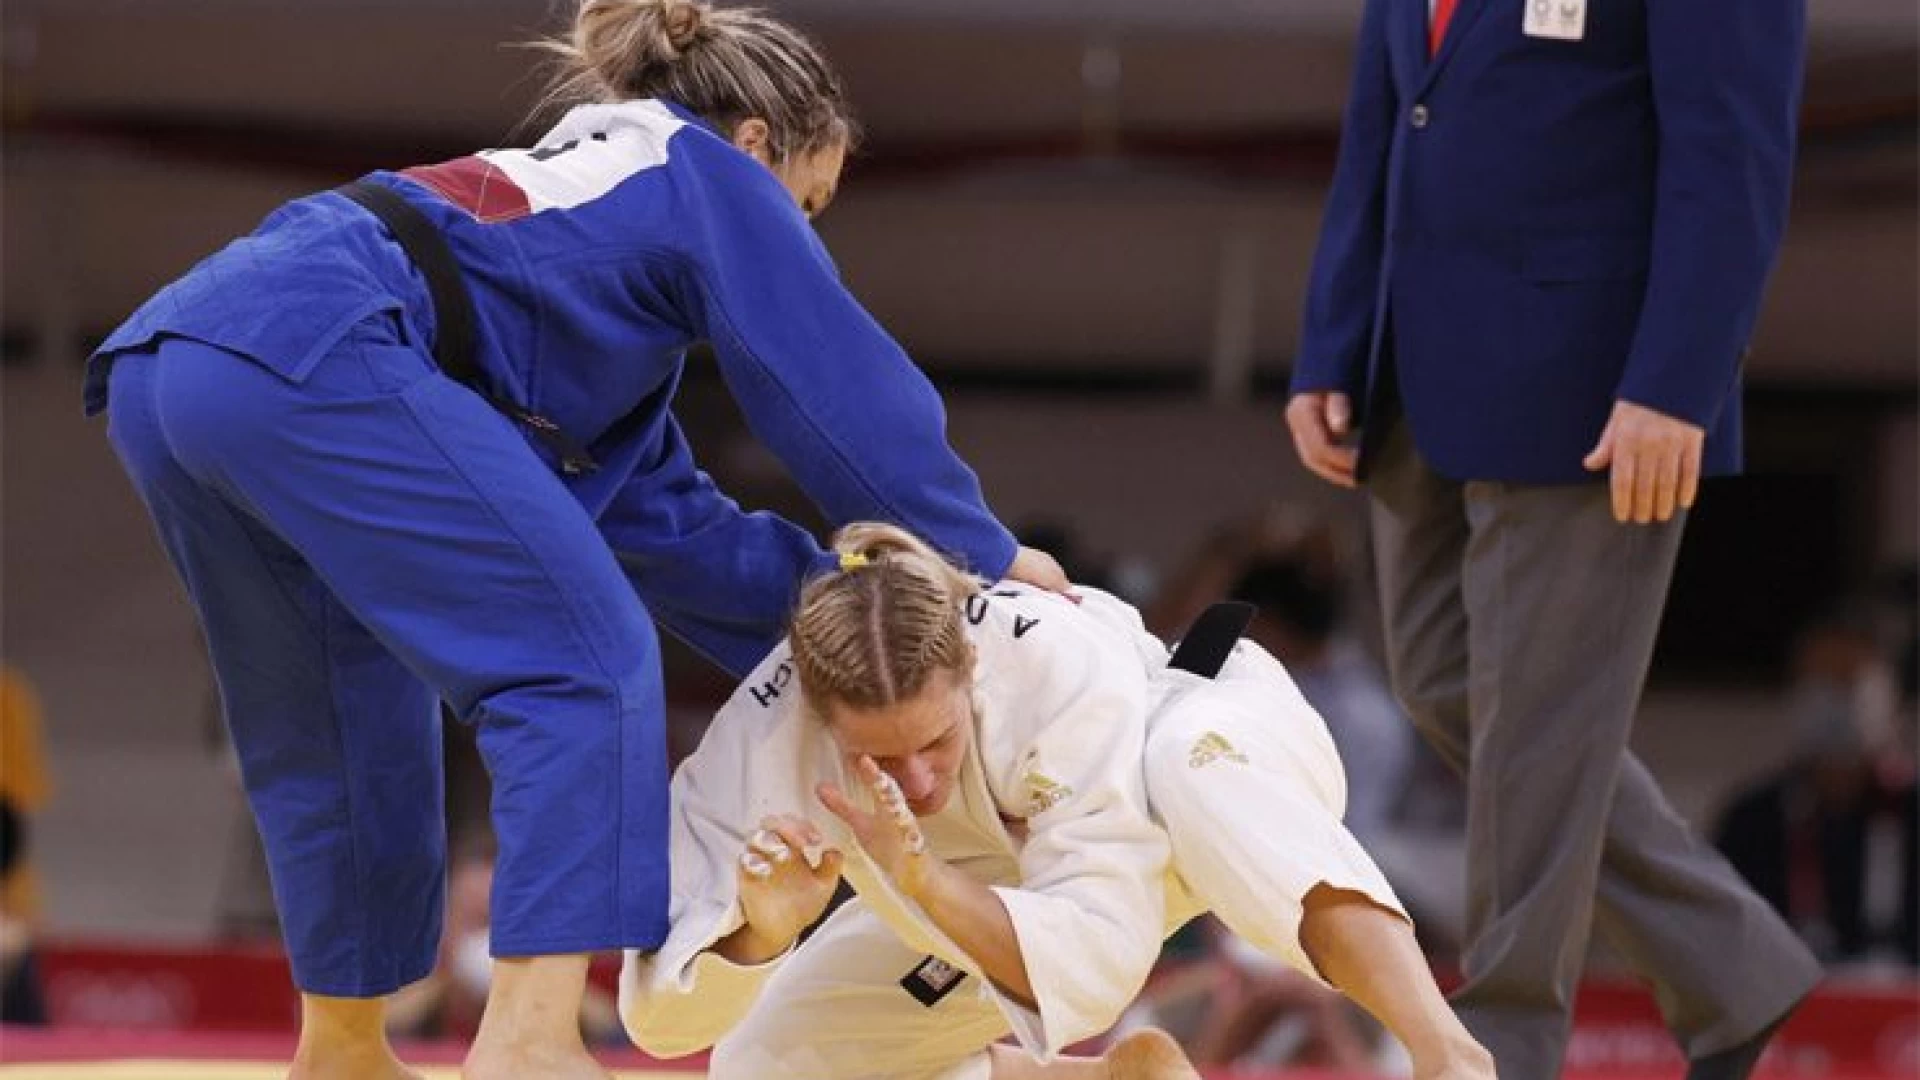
x,y
777,841
831,862
1625,466
766,850
840,806
1310,420
1036,567
893,804
1317,451
1602,453
1655,461
755,865
769,843
1651,476
1339,413
1656,470
1645,478
886,790
1689,476
1666,489
1336,465
798,835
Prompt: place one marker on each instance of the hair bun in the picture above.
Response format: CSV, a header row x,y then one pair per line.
x,y
617,43
723,63
680,22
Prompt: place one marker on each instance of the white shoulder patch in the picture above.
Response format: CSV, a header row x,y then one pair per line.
x,y
592,150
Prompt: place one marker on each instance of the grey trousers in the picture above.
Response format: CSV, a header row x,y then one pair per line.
x,y
1520,621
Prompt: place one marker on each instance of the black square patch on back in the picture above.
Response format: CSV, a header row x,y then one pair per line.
x,y
931,980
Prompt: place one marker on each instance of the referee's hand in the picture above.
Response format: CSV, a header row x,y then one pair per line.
x,y
1320,421
1652,462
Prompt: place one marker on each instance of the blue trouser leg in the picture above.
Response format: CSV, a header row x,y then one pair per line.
x,y
357,854
379,494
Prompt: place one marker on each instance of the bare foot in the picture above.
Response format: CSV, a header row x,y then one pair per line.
x,y
1148,1054
486,1062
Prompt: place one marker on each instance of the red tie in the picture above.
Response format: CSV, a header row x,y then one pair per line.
x,y
1437,25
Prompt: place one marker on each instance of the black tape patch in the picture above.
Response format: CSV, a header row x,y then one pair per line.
x,y
931,980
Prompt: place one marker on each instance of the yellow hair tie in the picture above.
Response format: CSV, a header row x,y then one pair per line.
x,y
853,560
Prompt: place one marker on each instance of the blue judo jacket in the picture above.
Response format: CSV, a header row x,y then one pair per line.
x,y
594,260
1524,228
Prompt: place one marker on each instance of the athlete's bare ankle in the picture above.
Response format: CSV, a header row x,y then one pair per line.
x,y
383,1066
498,1060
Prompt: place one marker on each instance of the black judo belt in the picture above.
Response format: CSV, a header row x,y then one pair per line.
x,y
1211,638
456,335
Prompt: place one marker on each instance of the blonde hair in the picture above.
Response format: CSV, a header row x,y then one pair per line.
x,y
725,64
873,633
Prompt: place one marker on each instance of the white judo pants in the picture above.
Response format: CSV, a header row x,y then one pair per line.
x,y
1242,774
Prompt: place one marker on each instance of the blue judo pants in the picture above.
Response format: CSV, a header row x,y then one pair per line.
x,y
358,544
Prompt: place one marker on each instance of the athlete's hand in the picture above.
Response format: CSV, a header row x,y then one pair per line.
x,y
1036,567
786,881
892,836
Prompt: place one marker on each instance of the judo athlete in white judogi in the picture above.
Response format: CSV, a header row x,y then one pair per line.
x,y
1026,799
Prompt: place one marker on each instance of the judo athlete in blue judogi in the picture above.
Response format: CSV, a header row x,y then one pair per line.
x,y
362,532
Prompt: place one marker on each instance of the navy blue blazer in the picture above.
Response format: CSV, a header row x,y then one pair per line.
x,y
1527,229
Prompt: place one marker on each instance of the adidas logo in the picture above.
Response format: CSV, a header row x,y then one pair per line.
x,y
1045,793
1210,748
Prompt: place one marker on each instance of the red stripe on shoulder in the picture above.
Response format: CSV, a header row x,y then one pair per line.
x,y
475,185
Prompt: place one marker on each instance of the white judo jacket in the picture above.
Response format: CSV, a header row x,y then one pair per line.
x,y
1049,808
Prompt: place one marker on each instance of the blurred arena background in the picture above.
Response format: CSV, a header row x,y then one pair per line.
x,y
1090,221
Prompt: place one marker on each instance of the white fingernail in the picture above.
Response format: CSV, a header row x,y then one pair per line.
x,y
755,866
814,854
